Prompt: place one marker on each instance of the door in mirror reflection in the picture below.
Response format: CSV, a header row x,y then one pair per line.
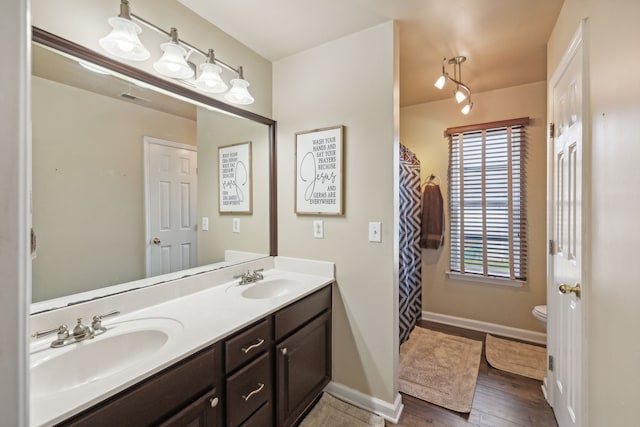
x,y
170,191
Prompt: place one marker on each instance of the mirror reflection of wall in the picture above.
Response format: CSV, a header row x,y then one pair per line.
x,y
88,176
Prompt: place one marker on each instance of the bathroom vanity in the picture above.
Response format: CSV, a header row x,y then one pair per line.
x,y
264,364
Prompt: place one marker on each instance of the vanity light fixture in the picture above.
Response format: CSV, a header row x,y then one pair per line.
x,y
123,42
173,63
462,91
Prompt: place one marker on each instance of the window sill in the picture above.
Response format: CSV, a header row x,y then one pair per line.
x,y
486,280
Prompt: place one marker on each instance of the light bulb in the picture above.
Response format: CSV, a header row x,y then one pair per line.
x,y
238,94
460,95
210,80
467,107
123,41
172,63
440,82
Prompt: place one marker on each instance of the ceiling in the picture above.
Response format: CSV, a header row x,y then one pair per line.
x,y
504,40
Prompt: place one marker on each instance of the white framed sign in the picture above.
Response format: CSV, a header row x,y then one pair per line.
x,y
234,175
319,171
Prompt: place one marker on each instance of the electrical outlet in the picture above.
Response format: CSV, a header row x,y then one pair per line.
x,y
205,223
235,227
374,232
318,229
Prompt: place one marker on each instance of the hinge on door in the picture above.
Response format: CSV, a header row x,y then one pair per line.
x,y
552,247
551,363
552,129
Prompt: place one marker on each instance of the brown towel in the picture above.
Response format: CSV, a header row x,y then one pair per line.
x,y
432,236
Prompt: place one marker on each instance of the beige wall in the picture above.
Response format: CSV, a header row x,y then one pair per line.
x,y
85,22
611,299
421,130
349,82
217,130
88,186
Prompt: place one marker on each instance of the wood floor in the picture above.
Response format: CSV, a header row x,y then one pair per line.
x,y
501,399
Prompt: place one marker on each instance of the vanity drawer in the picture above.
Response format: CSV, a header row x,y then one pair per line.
x,y
297,314
161,396
263,417
247,345
248,390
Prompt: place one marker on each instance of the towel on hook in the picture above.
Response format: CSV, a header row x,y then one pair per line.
x,y
432,236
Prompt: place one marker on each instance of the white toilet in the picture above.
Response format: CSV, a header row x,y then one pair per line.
x,y
540,313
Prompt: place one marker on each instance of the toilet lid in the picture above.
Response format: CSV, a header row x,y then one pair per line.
x,y
541,310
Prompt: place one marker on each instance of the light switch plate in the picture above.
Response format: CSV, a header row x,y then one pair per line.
x,y
318,229
374,232
205,223
235,227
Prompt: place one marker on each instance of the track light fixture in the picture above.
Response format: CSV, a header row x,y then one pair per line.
x,y
462,92
123,42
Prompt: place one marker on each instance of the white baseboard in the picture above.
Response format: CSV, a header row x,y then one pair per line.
x,y
492,328
390,412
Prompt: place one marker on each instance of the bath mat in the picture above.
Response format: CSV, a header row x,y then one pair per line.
x,y
440,368
331,412
518,358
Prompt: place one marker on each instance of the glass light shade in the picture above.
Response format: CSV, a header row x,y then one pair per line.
x,y
460,95
440,82
467,107
123,40
238,94
210,80
172,63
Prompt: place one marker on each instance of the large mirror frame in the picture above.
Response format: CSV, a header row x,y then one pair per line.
x,y
65,46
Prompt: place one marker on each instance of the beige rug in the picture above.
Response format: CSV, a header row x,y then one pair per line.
x,y
518,358
440,368
331,412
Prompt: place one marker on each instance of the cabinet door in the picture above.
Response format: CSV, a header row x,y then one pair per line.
x,y
204,412
303,368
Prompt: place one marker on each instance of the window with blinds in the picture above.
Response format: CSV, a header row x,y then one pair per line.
x,y
487,203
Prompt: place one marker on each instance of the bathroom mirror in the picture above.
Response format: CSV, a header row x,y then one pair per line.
x,y
99,128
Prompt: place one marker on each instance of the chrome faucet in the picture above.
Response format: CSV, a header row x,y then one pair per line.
x,y
80,332
250,277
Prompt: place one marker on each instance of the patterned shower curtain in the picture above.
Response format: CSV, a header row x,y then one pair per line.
x,y
410,251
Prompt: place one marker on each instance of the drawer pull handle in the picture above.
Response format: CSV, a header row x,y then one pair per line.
x,y
248,396
283,351
246,350
214,402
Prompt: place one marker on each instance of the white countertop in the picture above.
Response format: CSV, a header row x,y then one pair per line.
x,y
197,320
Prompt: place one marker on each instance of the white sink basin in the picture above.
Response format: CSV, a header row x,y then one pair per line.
x,y
270,288
122,346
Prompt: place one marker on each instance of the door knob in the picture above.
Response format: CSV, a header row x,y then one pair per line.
x,y
567,289
156,241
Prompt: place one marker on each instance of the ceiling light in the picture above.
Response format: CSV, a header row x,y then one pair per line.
x,y
172,62
123,41
210,80
238,94
462,91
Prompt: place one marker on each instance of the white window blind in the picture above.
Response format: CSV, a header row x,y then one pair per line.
x,y
487,203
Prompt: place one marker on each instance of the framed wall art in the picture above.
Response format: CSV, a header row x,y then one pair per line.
x,y
234,175
319,171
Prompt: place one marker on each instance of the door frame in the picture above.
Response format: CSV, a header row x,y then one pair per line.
x,y
578,43
147,141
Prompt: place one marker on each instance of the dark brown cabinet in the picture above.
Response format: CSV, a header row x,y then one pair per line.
x,y
303,368
266,375
186,394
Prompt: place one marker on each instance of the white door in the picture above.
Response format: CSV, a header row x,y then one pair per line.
x,y
171,177
565,321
